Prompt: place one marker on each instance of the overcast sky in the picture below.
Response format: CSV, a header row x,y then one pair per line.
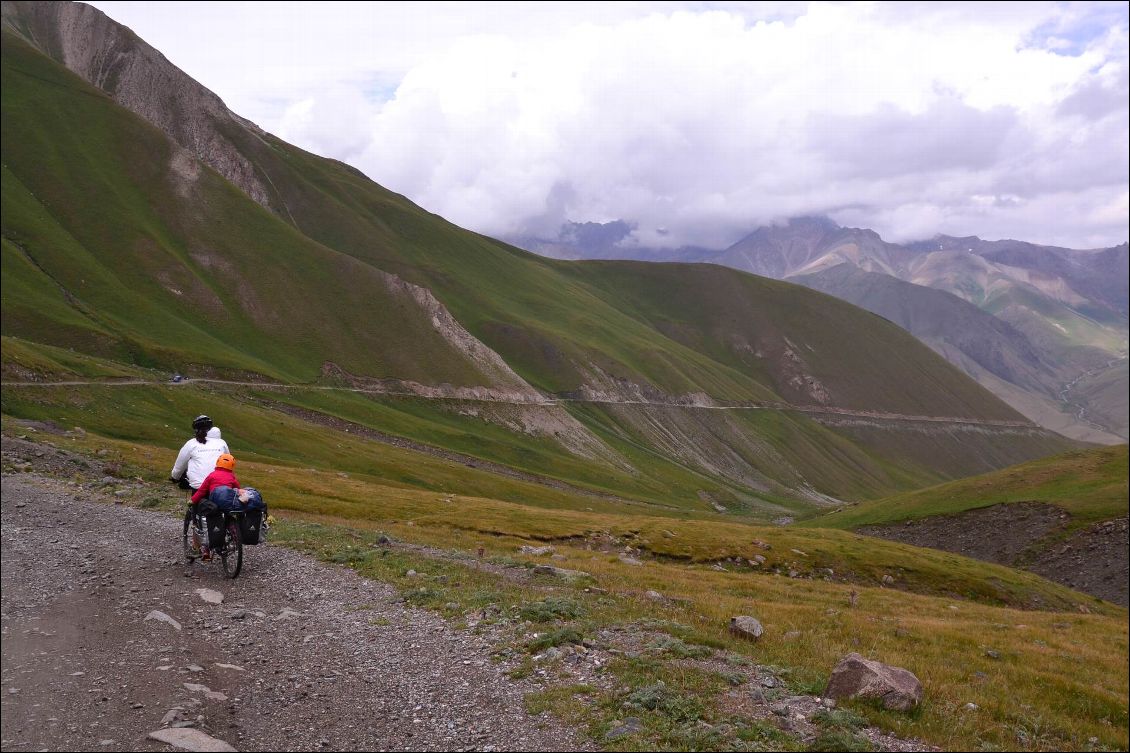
x,y
695,121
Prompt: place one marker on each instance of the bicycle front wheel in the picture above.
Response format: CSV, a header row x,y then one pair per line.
x,y
232,554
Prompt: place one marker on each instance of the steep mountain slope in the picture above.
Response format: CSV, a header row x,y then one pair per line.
x,y
1045,307
1096,276
1059,298
989,349
124,244
1069,306
142,253
1065,307
807,245
564,329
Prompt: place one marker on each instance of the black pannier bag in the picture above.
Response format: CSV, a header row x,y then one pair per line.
x,y
213,522
215,531
251,526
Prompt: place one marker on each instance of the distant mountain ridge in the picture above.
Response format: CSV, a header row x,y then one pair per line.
x,y
1064,310
1099,275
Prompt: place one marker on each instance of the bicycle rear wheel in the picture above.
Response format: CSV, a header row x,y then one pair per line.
x,y
232,554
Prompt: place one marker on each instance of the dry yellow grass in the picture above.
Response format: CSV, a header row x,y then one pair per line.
x,y
1054,679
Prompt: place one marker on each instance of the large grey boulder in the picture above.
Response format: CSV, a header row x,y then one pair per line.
x,y
856,677
746,627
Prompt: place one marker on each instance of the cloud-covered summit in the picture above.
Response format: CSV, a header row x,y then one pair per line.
x,y
695,122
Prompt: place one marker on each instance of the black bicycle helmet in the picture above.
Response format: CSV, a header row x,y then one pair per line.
x,y
201,423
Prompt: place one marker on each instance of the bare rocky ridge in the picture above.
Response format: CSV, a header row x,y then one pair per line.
x,y
488,361
1095,560
299,656
138,77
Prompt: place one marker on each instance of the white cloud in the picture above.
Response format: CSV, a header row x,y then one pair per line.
x,y
697,124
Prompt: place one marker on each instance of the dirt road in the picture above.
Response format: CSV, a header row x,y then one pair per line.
x,y
553,401
299,656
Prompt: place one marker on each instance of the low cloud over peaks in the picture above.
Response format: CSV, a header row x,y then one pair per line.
x,y
697,125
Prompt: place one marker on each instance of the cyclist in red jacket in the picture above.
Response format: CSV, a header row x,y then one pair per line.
x,y
224,475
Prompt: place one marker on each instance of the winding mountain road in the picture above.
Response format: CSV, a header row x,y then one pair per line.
x,y
546,402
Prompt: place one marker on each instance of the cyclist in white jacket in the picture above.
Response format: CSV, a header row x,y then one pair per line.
x,y
198,456
197,459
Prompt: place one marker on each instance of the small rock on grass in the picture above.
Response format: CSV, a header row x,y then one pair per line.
x,y
560,572
629,726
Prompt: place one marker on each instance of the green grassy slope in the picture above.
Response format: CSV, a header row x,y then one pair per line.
x,y
761,326
155,417
686,458
1089,484
104,213
325,474
677,328
119,246
114,249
